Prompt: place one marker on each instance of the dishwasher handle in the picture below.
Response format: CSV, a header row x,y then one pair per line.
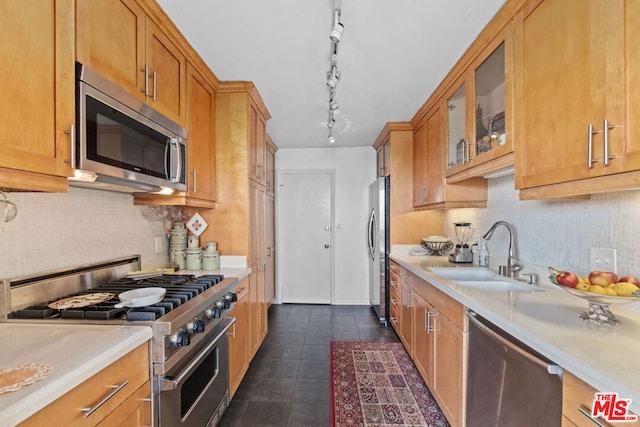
x,y
552,369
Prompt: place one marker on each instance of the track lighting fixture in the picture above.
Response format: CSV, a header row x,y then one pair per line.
x,y
338,29
331,138
333,75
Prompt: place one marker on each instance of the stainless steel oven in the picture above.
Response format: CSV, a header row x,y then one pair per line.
x,y
195,394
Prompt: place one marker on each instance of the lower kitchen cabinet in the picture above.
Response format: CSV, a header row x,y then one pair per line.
x,y
394,300
406,311
577,396
133,412
120,394
433,329
239,337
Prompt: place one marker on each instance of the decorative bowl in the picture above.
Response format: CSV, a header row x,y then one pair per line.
x,y
436,244
598,310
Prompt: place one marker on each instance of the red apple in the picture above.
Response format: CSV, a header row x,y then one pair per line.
x,y
602,278
630,279
567,279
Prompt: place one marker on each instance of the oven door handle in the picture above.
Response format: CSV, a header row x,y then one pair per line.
x,y
172,383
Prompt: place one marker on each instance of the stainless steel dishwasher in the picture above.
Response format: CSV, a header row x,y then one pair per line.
x,y
509,384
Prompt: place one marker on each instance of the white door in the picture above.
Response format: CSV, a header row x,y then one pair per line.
x,y
304,236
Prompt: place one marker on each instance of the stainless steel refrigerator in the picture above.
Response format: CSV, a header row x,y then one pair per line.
x,y
378,236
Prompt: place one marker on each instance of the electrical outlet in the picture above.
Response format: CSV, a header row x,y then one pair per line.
x,y
603,259
157,244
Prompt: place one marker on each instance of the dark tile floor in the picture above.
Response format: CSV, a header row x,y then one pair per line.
x,y
287,383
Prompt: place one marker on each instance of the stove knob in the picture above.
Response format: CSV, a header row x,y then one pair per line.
x,y
196,326
179,339
227,301
234,296
210,312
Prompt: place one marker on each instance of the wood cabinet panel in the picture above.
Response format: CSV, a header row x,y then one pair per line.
x,y
167,73
239,337
592,55
578,394
133,367
120,41
38,107
430,191
110,39
133,412
423,337
201,150
448,367
406,311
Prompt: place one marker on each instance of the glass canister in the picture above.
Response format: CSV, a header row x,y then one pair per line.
x,y
177,256
194,259
210,260
178,236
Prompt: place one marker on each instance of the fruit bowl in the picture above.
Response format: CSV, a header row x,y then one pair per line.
x,y
437,244
598,310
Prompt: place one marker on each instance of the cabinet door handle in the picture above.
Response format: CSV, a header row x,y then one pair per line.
x,y
154,85
590,147
605,128
145,70
72,140
195,180
431,328
115,389
424,317
233,334
587,414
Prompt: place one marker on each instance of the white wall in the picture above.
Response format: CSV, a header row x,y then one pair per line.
x,y
83,226
354,170
559,233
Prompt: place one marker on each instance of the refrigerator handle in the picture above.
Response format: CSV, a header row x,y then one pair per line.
x,y
372,236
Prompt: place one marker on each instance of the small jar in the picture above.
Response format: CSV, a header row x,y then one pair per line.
x,y
177,256
210,260
194,259
211,246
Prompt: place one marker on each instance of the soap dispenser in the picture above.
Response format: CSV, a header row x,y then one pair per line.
x,y
483,254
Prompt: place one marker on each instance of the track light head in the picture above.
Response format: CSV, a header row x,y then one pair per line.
x,y
336,33
333,105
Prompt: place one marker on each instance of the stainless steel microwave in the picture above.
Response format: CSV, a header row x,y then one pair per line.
x,y
122,144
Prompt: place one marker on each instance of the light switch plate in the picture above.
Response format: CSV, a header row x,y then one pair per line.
x,y
157,244
604,259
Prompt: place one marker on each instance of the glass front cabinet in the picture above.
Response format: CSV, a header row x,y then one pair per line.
x,y
478,114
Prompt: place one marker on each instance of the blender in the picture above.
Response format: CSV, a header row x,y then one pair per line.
x,y
462,252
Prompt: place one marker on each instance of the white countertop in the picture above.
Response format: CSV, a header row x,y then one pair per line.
x,y
607,358
76,352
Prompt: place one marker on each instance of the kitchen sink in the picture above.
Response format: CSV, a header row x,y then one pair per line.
x,y
482,279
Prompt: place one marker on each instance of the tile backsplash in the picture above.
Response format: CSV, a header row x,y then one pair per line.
x,y
80,227
559,233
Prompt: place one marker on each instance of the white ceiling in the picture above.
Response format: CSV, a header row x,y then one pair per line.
x,y
393,54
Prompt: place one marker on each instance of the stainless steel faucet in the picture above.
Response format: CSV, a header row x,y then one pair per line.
x,y
513,264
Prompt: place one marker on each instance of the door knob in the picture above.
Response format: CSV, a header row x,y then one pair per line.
x,y
326,246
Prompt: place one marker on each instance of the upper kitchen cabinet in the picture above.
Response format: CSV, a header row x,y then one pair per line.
x,y
201,148
478,108
38,108
119,40
395,142
430,191
270,162
257,145
577,64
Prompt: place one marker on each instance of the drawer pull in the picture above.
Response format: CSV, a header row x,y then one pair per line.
x,y
587,414
115,389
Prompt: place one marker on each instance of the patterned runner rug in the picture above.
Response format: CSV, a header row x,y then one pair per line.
x,y
376,384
